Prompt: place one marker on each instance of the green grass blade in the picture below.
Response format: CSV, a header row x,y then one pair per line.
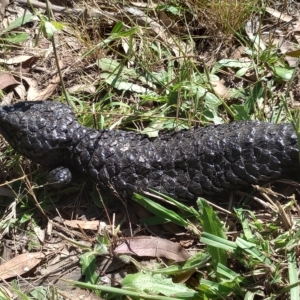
x,y
293,274
119,291
178,204
252,249
215,241
159,210
211,224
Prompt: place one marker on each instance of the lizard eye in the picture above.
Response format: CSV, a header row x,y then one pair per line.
x,y
8,126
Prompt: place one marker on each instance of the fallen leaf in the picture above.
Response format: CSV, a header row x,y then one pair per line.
x,y
7,99
16,60
89,225
220,89
3,4
287,47
163,17
20,264
295,53
20,90
279,15
40,233
33,91
153,247
26,65
90,88
49,90
237,54
252,29
142,4
7,80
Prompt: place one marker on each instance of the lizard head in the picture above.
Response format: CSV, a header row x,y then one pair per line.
x,y
39,130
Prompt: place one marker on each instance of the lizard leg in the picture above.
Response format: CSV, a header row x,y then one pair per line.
x,y
60,176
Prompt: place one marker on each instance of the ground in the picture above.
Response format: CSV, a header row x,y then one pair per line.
x,y
148,66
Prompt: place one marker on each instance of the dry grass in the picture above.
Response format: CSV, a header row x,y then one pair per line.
x,y
223,17
147,69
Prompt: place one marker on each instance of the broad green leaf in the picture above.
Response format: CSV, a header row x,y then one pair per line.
x,y
195,262
124,85
108,64
18,23
284,73
118,69
57,25
211,100
240,112
154,284
170,8
88,264
211,115
157,125
39,293
49,29
241,72
231,63
154,127
44,18
15,38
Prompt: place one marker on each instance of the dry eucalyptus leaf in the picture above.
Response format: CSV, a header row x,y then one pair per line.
x,y
279,15
89,225
3,4
7,80
220,89
237,54
87,88
49,90
20,265
163,17
20,90
40,233
16,60
153,247
33,91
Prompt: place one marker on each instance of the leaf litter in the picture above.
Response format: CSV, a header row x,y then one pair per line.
x,y
78,241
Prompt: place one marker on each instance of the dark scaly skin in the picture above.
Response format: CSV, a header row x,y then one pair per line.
x,y
184,164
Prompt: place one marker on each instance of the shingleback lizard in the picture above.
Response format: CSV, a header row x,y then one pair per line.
x,y
182,164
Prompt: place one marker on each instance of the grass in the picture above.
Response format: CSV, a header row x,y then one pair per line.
x,y
142,76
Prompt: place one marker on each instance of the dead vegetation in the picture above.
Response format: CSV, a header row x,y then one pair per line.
x,y
148,66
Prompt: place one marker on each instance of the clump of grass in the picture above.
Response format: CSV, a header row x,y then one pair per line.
x,y
223,16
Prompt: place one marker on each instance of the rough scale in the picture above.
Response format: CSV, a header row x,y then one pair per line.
x,y
183,164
